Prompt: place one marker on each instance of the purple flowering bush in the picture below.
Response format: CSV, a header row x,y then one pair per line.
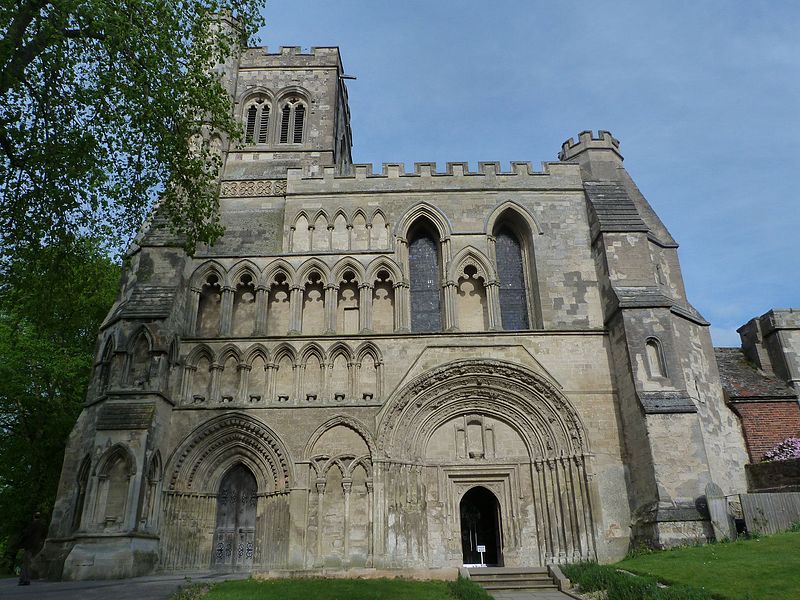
x,y
786,450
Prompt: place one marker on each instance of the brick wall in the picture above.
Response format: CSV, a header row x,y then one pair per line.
x,y
767,423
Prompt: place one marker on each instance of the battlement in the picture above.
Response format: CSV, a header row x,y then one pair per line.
x,y
586,141
429,169
290,56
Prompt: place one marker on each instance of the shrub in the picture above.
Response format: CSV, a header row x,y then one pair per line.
x,y
464,589
786,450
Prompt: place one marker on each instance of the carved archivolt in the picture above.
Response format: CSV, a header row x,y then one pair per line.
x,y
531,405
204,456
344,421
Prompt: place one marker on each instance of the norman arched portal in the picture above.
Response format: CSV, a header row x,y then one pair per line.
x,y
481,536
497,426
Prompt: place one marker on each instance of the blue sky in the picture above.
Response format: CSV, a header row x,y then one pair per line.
x,y
704,97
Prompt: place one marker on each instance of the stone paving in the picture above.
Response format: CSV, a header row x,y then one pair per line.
x,y
157,587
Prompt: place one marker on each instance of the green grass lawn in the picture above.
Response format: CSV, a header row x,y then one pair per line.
x,y
757,569
335,589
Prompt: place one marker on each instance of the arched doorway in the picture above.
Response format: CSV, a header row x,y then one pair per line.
x,y
480,527
234,536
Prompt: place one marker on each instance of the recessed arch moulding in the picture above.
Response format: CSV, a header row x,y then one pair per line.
x,y
484,423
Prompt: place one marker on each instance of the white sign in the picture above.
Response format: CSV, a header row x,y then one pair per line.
x,y
481,548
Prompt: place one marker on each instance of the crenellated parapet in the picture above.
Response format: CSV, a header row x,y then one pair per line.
x,y
290,56
587,141
425,175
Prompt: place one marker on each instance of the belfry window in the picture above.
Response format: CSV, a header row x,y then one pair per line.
x,y
293,116
256,126
424,265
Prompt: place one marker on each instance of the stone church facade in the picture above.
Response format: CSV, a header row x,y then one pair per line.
x,y
389,367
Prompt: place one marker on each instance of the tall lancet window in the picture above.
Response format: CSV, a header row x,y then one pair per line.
x,y
425,273
511,273
293,119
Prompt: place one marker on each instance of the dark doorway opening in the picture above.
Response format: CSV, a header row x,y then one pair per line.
x,y
480,527
234,536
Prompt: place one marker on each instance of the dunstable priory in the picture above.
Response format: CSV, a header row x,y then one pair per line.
x,y
388,367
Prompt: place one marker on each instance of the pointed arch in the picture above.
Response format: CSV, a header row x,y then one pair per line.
x,y
229,351
345,421
282,350
311,349
308,267
383,262
198,352
511,210
117,451
254,351
340,348
343,265
139,352
276,267
368,349
470,255
428,211
243,267
81,487
209,267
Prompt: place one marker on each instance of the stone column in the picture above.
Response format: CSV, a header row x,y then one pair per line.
x,y
331,300
226,311
186,383
450,315
402,311
262,302
270,383
295,310
370,517
297,370
244,370
216,368
191,317
365,307
347,486
320,486
493,302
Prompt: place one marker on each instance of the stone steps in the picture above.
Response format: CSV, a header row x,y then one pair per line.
x,y
496,579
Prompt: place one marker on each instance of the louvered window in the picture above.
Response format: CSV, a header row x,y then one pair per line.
x,y
293,118
263,125
250,126
256,122
285,124
299,117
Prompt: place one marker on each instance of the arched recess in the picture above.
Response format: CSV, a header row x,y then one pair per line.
x,y
340,367
225,387
312,280
511,231
278,279
340,234
348,276
139,361
104,367
360,231
151,494
312,377
205,313
285,381
368,381
197,375
258,368
379,231
384,278
245,279
476,290
656,364
195,471
81,488
340,515
474,416
114,478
